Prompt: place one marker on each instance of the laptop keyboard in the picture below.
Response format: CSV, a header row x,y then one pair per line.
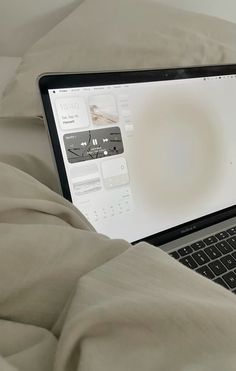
x,y
214,257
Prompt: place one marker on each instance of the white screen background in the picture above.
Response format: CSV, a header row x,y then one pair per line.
x,y
179,153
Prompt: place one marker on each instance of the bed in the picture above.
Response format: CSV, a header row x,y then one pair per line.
x,y
96,308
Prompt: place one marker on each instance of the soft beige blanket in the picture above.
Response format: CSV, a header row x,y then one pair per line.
x,y
71,299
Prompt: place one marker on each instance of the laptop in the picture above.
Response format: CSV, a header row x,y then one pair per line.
x,y
150,156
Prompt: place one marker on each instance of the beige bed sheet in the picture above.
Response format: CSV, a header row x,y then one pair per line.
x,y
25,144
74,300
117,35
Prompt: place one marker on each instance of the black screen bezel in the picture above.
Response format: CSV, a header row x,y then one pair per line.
x,y
70,80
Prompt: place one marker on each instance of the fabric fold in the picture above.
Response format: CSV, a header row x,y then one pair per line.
x,y
74,300
46,245
144,311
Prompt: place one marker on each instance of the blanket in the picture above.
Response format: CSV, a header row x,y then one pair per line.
x,y
74,300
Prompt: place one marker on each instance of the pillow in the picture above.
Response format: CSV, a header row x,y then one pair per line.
x,y
8,66
24,24
115,35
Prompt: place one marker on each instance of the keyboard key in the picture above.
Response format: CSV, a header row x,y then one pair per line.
x,y
232,231
232,242
230,279
200,257
185,250
222,235
217,267
189,262
224,247
228,261
205,271
234,254
174,254
212,252
210,240
221,282
198,245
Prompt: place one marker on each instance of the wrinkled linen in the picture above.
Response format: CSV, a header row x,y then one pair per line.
x,y
72,299
24,144
117,35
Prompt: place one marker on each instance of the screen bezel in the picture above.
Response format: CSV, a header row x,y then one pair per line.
x,y
70,80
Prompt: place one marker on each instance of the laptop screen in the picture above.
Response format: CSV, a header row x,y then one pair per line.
x,y
145,157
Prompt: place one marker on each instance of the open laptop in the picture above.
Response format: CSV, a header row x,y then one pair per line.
x,y
151,156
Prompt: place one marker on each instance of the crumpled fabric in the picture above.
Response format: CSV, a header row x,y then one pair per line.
x,y
74,300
